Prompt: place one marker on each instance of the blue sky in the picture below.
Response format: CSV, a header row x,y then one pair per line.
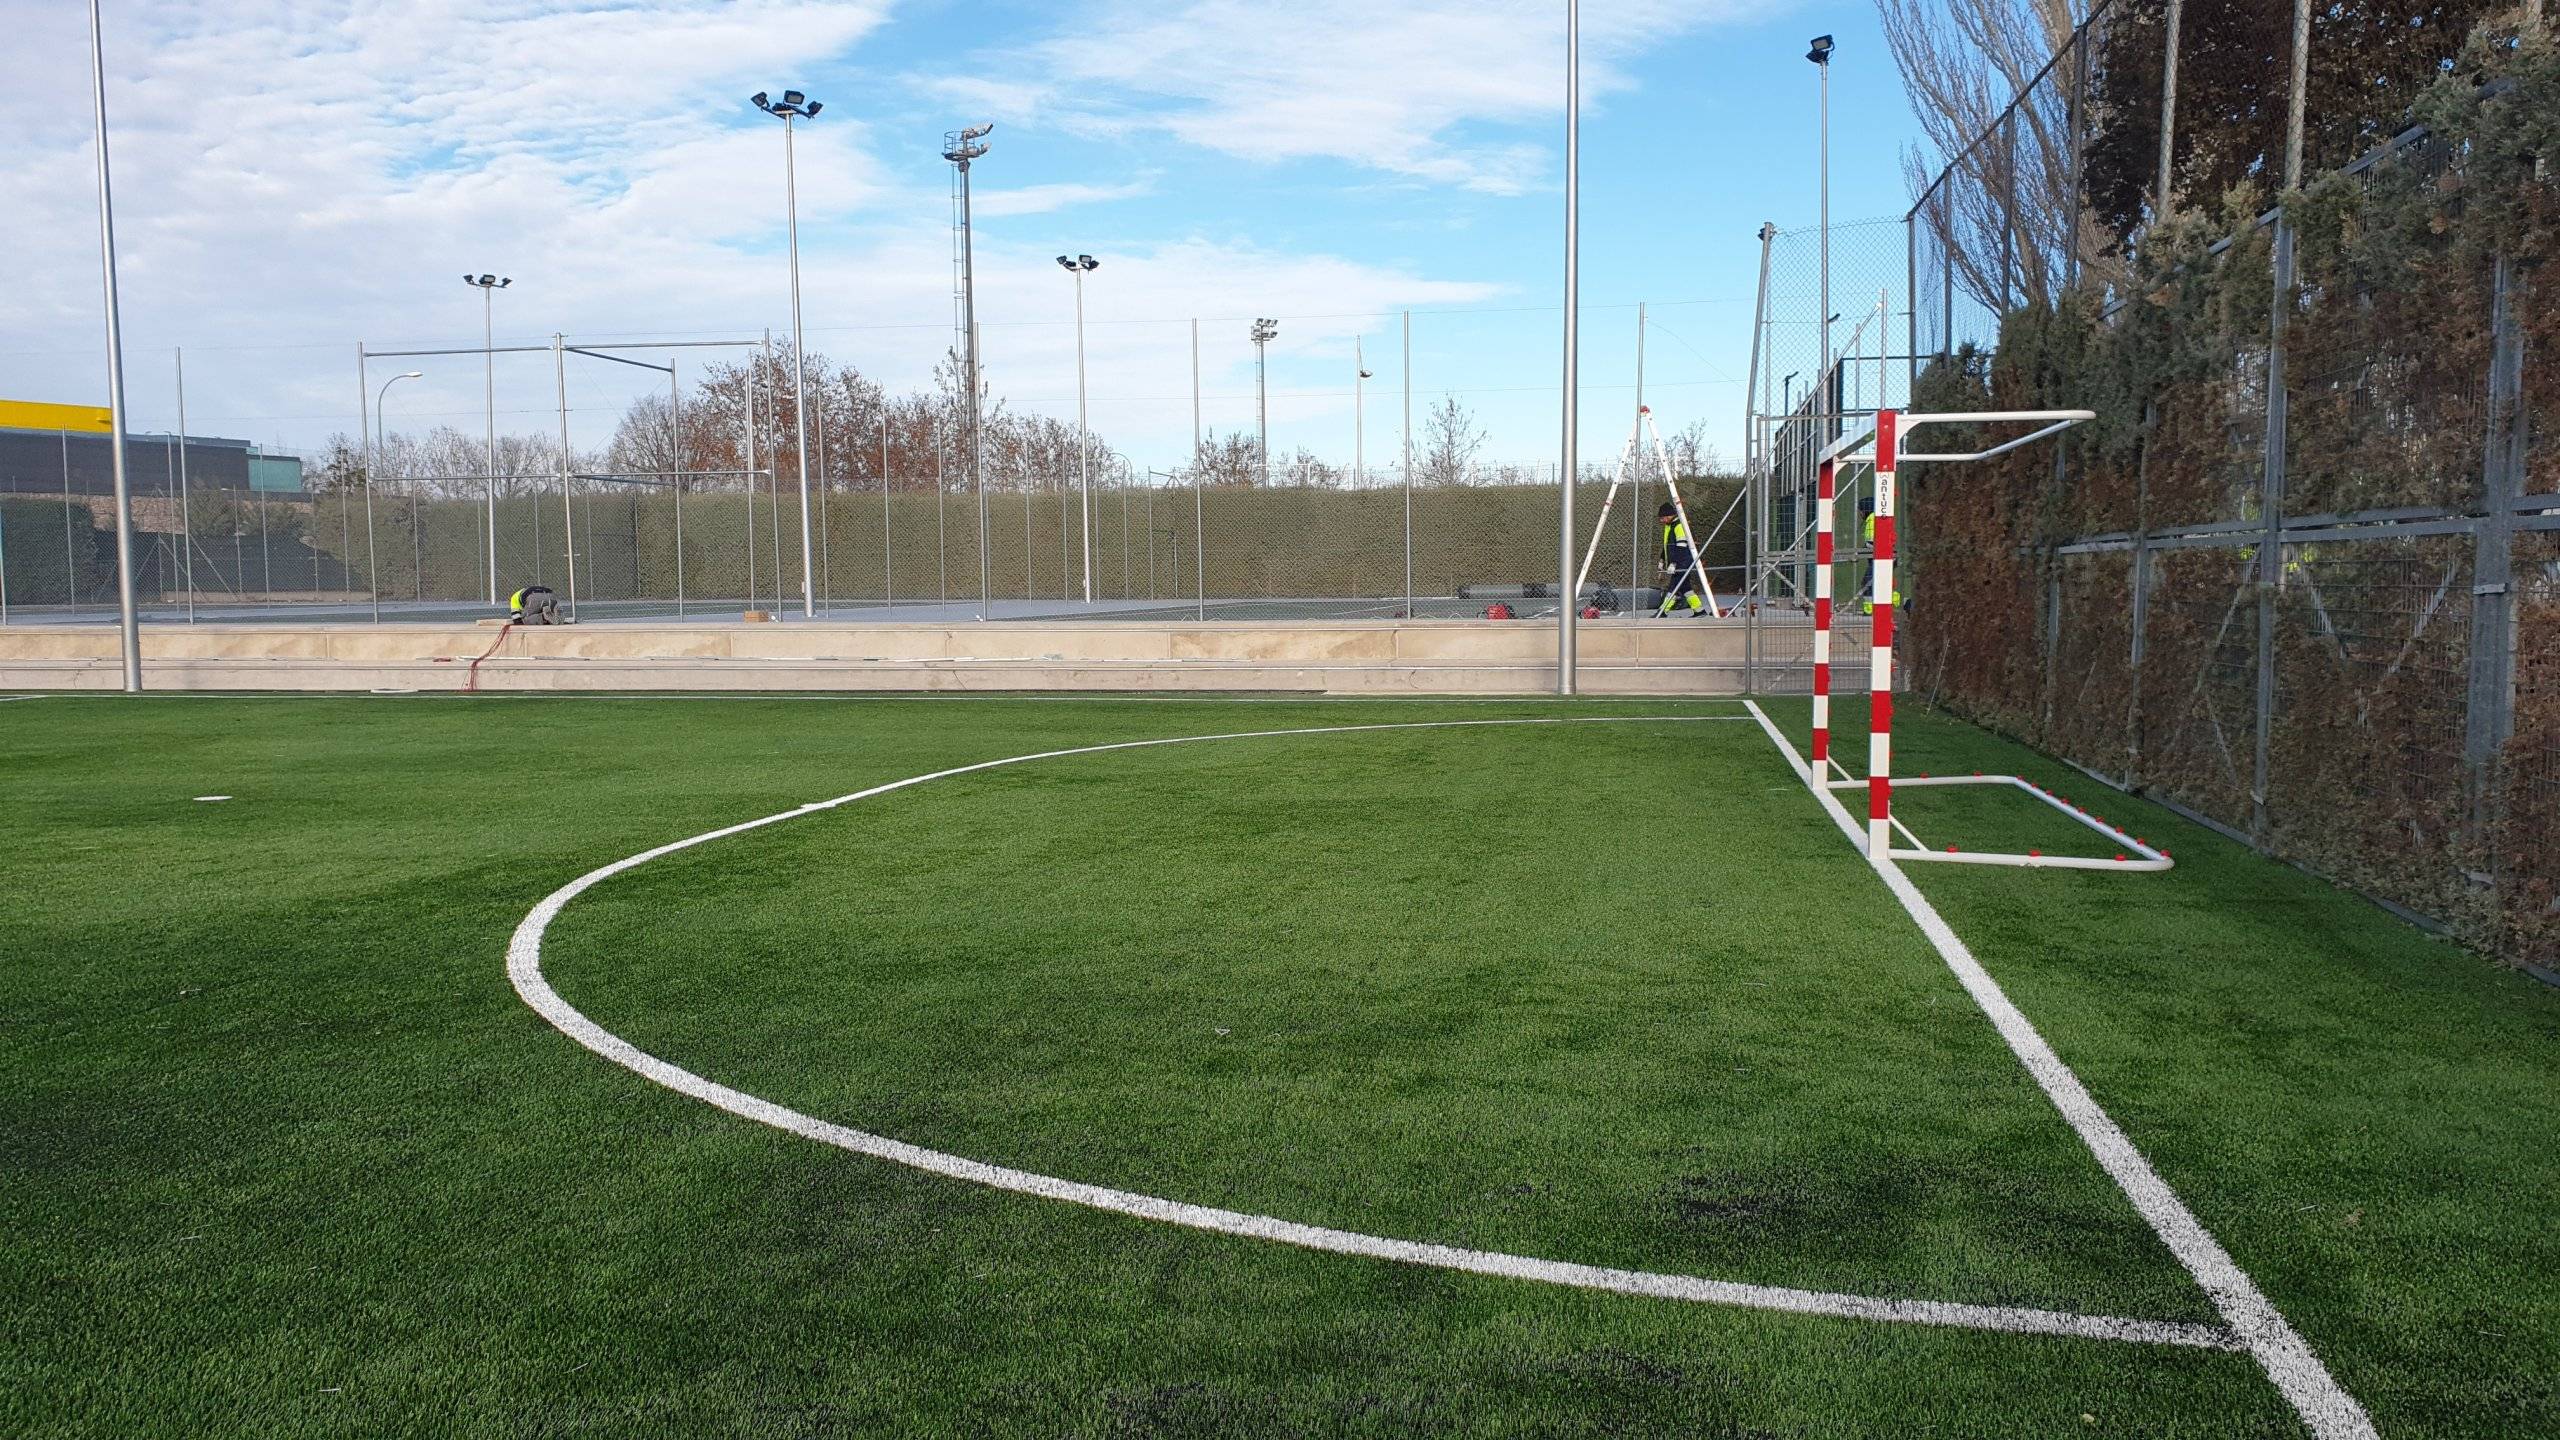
x,y
295,175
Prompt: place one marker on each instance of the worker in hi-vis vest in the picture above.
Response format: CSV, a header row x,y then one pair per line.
x,y
1867,586
1680,578
533,605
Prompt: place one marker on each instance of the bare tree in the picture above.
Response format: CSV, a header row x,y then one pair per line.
x,y
2005,217
1231,459
1450,441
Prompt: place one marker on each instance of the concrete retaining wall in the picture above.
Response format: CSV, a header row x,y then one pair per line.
x,y
1382,656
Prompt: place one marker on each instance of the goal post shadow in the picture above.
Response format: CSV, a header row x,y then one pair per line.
x,y
1879,446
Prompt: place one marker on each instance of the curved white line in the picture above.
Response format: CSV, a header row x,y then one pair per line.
x,y
524,969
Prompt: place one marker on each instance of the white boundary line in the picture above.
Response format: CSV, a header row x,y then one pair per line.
x,y
2262,1329
524,970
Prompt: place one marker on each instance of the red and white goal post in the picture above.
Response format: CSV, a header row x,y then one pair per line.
x,y
1881,446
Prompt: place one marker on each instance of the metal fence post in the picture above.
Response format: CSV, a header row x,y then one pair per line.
x,y
2271,536
2161,198
2490,720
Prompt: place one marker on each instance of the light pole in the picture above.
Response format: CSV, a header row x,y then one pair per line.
x,y
488,286
125,618
1263,332
1820,55
1567,596
961,147
795,106
1359,417
1081,266
373,472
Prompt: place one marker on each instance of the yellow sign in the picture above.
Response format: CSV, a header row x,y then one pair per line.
x,y
37,415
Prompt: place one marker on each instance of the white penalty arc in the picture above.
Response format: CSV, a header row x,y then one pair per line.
x,y
524,971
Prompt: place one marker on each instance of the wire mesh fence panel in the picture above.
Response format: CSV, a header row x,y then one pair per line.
x,y
2089,668
2526,802
2387,350
2198,702
2366,778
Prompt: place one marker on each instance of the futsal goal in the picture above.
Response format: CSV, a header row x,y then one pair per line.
x,y
1879,445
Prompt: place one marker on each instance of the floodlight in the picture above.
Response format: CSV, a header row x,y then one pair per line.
x,y
975,131
1820,54
794,97
812,112
759,101
1069,264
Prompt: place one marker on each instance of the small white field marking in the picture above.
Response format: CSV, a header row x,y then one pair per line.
x,y
210,799
2316,1395
5,699
524,971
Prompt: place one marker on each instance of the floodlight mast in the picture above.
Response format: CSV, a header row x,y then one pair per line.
x,y
960,147
796,106
488,285
1264,331
1360,376
1080,266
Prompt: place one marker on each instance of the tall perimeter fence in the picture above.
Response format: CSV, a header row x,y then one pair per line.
x,y
2301,579
696,506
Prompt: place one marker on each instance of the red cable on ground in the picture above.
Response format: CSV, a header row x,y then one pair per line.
x,y
471,682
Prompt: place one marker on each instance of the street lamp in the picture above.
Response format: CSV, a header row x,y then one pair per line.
x,y
1264,331
488,286
795,106
1360,373
961,147
372,472
1080,266
1820,55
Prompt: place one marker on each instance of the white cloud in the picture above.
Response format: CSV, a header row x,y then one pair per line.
x,y
1409,89
1041,199
294,174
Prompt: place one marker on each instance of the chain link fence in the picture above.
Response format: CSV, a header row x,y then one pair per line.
x,y
2298,576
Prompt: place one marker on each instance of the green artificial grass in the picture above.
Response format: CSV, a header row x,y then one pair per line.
x,y
288,1156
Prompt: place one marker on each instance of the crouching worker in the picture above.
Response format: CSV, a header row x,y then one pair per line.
x,y
533,605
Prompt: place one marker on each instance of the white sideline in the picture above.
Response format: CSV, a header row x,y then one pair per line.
x,y
2262,1329
524,971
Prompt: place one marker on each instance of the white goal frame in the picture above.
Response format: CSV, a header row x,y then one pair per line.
x,y
1879,444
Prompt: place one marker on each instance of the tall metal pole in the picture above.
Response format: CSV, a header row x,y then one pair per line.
x,y
568,511
1822,62
1408,465
1567,597
978,477
1635,517
675,429
773,482
1084,443
887,589
489,399
799,386
752,367
1262,401
1199,505
1359,417
125,617
186,511
373,472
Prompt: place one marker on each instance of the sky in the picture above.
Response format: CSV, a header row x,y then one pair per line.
x,y
296,177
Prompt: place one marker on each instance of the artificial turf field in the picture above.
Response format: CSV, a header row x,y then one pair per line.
x,y
287,1154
